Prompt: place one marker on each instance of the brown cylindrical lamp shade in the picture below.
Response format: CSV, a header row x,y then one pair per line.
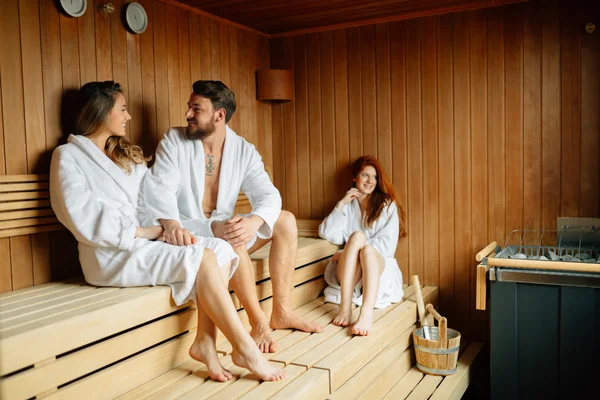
x,y
274,84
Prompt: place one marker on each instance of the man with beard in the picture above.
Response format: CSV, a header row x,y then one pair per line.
x,y
192,190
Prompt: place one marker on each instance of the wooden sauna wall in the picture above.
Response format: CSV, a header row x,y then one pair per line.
x,y
487,121
44,54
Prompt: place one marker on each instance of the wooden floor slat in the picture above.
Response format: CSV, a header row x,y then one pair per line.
x,y
425,388
267,389
313,384
405,386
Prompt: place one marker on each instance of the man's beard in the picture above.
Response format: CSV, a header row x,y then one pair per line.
x,y
200,132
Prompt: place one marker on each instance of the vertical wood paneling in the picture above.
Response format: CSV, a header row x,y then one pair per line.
x,y
302,141
314,125
368,85
445,106
215,50
233,75
383,99
289,134
462,167
277,124
398,56
342,144
551,113
431,229
330,194
414,131
354,94
43,52
590,119
532,122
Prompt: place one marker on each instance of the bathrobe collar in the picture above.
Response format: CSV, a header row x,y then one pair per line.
x,y
118,176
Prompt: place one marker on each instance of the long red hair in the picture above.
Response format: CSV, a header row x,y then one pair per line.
x,y
382,196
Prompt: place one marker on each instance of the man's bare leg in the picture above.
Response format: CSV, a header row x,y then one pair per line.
x,y
213,298
282,259
244,286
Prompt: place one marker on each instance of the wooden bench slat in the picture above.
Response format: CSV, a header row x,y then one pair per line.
x,y
19,205
406,385
30,230
23,187
129,374
313,384
348,359
455,385
90,323
80,363
425,388
42,303
24,195
40,212
17,295
18,223
24,178
267,389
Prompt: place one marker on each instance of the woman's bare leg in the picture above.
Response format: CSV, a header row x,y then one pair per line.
x,y
372,264
213,297
348,276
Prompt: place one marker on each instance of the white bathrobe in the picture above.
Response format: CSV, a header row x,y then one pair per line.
x,y
97,201
174,186
383,236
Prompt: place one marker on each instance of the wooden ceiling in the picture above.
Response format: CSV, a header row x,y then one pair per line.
x,y
280,17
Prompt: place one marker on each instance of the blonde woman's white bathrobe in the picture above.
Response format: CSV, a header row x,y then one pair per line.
x,y
97,201
383,236
174,187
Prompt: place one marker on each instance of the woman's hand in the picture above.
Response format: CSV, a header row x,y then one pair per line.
x,y
151,233
350,195
336,257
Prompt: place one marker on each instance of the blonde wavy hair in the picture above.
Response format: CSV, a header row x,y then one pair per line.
x,y
98,99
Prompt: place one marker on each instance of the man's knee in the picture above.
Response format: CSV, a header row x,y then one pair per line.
x,y
357,239
286,223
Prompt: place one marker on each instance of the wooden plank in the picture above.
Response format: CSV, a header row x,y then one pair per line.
x,y
355,113
10,215
60,295
7,298
22,187
328,122
127,375
24,196
224,45
173,79
276,52
28,222
406,385
462,165
445,104
103,46
308,227
134,88
215,53
425,388
24,178
17,205
431,229
21,262
368,82
289,136
302,130
551,151
87,34
314,383
415,209
315,133
161,69
348,359
590,123
5,270
454,386
385,150
532,122
267,389
342,129
33,94
233,71
148,115
80,363
185,50
381,373
30,230
399,130
69,46
88,320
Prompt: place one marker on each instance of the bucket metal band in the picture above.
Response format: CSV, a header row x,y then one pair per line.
x,y
436,351
436,371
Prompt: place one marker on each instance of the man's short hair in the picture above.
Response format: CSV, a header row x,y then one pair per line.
x,y
219,95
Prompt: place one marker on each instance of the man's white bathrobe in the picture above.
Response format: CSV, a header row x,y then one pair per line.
x,y
383,236
97,201
174,187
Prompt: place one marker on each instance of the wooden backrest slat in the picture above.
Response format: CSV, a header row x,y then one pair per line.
x,y
23,187
24,178
29,230
21,205
24,196
38,212
19,223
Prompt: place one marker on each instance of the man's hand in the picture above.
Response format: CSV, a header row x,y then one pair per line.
x,y
239,230
175,234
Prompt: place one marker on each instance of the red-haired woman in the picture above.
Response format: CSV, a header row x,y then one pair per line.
x,y
368,220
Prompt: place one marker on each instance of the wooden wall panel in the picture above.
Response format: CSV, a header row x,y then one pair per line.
x,y
44,54
471,114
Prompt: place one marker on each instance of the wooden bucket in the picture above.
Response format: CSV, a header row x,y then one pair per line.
x,y
438,356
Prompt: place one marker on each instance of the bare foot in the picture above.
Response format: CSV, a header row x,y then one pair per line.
x,y
262,335
289,320
344,317
205,352
364,324
254,361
